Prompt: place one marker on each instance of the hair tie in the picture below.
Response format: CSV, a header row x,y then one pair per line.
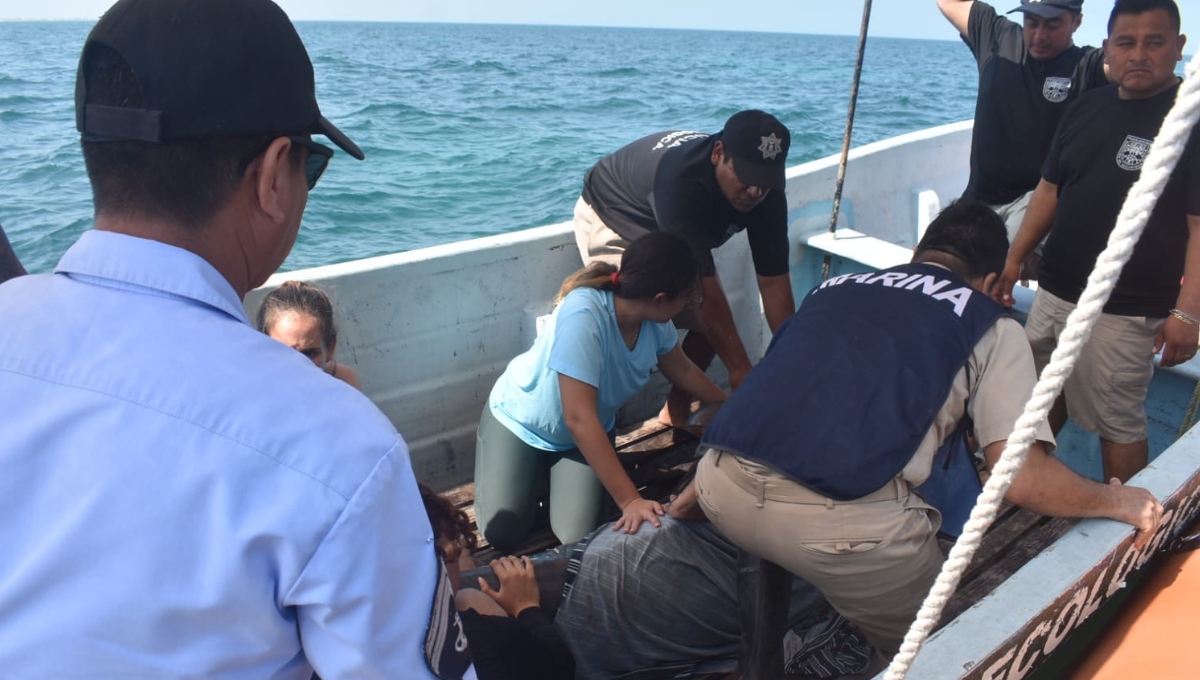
x,y
615,280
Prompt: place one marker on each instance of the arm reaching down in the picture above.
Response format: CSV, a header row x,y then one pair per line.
x,y
1178,337
717,319
1039,218
579,412
679,369
777,299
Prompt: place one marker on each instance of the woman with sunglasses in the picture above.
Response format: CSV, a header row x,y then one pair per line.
x,y
552,411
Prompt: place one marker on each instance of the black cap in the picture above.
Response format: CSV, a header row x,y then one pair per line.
x,y
1048,9
758,143
207,68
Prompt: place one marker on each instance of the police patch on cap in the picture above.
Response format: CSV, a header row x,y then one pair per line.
x,y
446,650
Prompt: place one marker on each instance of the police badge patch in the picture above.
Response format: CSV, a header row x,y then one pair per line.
x,y
1056,89
1133,153
446,650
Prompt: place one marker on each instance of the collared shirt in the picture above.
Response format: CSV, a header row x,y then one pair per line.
x,y
182,496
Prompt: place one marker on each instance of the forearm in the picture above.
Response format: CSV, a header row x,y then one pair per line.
x,y
599,453
719,329
1048,487
778,301
1189,293
1039,218
684,374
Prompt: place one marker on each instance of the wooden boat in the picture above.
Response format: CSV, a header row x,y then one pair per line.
x,y
430,330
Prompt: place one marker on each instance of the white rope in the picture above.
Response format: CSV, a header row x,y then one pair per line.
x,y
1156,170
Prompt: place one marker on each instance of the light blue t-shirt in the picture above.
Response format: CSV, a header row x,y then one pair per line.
x,y
581,341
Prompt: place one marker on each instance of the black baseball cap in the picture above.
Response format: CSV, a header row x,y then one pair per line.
x,y
1048,9
758,143
207,68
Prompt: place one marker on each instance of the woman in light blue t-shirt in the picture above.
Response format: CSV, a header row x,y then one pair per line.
x,y
551,412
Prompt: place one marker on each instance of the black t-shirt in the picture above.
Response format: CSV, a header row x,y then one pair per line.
x,y
1096,157
525,648
667,182
1020,102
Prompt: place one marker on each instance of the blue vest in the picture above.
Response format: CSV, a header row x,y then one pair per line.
x,y
852,381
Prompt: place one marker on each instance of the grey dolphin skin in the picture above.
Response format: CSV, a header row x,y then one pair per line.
x,y
10,266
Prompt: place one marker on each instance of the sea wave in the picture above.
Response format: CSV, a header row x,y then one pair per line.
x,y
472,130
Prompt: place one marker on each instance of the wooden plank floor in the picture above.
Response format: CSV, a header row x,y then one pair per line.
x,y
657,458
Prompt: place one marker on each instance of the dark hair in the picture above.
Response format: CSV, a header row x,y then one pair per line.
x,y
185,181
1143,6
448,522
971,232
658,262
301,298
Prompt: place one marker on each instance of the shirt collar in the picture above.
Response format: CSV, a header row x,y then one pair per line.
x,y
144,263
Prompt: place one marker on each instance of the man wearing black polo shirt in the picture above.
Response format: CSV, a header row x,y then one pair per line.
x,y
1096,157
1027,74
705,188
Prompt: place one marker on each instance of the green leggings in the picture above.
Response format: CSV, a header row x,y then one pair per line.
x,y
510,477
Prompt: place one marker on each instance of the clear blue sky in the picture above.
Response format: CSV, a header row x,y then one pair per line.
x,y
892,18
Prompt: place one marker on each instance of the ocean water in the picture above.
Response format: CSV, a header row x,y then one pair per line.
x,y
471,130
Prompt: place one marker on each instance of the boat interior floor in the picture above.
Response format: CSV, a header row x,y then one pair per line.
x,y
658,457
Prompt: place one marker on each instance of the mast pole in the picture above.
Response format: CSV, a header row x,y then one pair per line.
x,y
841,176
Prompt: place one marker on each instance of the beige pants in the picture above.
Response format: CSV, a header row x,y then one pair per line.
x,y
1106,393
597,242
594,239
874,558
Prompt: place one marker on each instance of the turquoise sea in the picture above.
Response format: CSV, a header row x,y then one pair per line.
x,y
472,130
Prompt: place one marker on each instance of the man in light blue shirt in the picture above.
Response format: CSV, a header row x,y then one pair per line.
x,y
181,495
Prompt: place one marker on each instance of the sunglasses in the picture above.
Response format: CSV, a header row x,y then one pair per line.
x,y
314,165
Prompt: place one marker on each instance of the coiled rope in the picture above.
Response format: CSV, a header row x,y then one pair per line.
x,y
1156,170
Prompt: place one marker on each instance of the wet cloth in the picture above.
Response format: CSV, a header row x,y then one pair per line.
x,y
183,496
662,603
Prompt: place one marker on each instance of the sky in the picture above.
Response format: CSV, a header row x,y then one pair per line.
x,y
889,18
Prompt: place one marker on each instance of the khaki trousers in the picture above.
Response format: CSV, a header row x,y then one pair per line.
x,y
873,558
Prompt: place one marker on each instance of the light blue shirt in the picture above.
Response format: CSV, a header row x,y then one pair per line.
x,y
182,496
581,341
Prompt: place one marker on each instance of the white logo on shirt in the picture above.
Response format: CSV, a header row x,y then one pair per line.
x,y
771,146
676,138
1133,153
1056,89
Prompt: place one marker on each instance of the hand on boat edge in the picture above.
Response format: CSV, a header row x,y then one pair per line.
x,y
1139,508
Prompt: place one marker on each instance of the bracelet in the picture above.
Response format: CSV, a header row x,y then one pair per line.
x,y
1185,317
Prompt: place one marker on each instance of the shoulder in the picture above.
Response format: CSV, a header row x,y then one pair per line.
x,y
584,299
301,417
1002,345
